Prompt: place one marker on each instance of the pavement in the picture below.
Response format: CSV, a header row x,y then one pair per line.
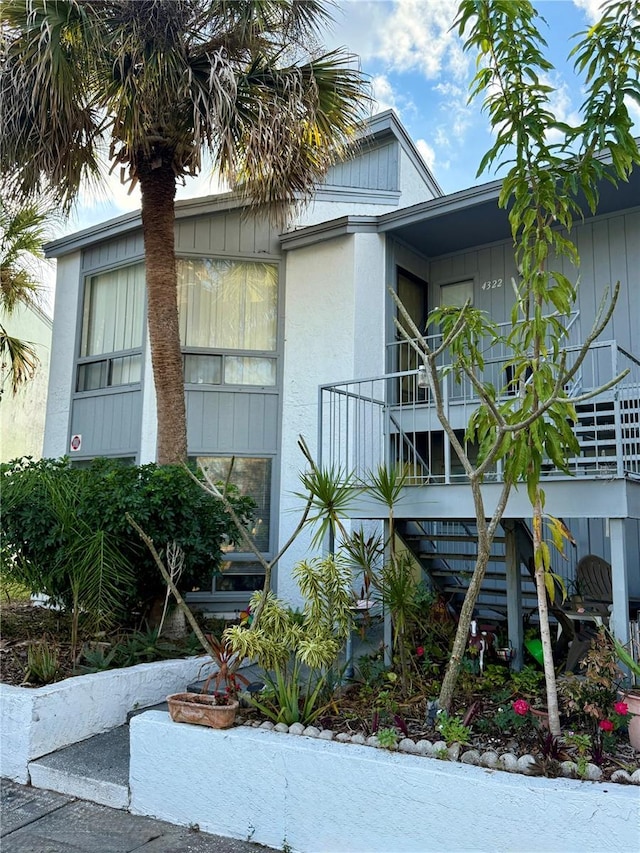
x,y
38,821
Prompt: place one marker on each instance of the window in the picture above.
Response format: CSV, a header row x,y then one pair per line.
x,y
228,305
243,577
456,294
112,328
251,476
412,292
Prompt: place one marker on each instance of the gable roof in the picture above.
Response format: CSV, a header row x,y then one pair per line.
x,y
377,130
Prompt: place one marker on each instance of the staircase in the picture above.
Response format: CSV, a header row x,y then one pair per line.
x,y
447,552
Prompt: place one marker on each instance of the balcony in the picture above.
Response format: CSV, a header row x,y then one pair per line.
x,y
391,418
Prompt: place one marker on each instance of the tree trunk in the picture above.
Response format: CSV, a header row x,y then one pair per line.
x,y
545,630
461,639
158,188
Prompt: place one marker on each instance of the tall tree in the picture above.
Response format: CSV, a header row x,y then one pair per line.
x,y
553,178
22,231
151,85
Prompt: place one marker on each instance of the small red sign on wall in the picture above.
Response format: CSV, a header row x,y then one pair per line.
x,y
76,442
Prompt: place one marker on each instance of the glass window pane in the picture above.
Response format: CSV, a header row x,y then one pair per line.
x,y
455,295
251,477
126,370
228,304
203,369
113,311
93,376
248,580
245,370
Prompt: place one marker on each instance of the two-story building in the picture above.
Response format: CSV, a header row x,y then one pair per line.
x,y
288,334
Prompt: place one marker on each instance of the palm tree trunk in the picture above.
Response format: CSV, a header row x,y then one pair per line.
x,y
158,188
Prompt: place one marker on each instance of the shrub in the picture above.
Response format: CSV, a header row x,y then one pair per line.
x,y
52,509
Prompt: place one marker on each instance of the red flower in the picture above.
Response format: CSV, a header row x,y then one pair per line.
x,y
606,725
521,707
420,651
621,708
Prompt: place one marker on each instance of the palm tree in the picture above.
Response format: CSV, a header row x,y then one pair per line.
x,y
152,84
22,230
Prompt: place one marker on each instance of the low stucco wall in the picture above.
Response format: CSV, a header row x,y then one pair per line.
x,y
36,721
324,796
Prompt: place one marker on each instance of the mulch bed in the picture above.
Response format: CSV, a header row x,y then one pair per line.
x,y
23,624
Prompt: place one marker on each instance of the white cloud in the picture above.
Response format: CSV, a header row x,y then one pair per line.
x,y
427,152
383,94
417,36
386,97
561,105
358,25
592,8
459,113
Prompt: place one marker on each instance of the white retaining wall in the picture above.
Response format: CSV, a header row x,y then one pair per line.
x,y
36,721
326,797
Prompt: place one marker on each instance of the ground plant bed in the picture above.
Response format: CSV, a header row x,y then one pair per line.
x,y
413,727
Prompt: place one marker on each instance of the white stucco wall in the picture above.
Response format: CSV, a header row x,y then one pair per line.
x,y
334,331
316,795
36,721
22,414
412,185
61,378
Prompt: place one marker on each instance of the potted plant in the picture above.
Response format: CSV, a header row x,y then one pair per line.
x,y
218,709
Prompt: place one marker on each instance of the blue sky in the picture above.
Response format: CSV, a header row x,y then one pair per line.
x,y
417,67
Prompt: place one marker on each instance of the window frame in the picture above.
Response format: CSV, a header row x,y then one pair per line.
x,y
113,355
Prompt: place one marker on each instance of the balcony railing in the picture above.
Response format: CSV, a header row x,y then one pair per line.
x,y
391,419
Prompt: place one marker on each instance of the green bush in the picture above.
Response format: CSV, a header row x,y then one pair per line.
x,y
53,512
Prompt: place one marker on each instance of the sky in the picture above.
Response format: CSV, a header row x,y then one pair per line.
x,y
417,67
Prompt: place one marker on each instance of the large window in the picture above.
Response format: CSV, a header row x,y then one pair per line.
x,y
228,306
112,329
251,476
240,572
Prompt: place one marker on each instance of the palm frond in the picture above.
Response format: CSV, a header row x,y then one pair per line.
x,y
19,357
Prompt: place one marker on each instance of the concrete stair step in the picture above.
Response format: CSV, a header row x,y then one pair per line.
x,y
96,769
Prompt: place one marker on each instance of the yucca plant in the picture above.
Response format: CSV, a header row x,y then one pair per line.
x,y
283,646
330,492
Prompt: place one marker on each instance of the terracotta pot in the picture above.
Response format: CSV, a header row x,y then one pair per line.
x,y
632,701
201,710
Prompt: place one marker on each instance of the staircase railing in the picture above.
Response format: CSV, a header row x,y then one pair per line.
x,y
390,418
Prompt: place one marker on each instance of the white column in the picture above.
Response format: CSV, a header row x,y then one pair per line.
x,y
620,617
149,420
514,594
63,355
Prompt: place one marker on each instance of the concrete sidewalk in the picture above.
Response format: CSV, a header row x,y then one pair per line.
x,y
37,821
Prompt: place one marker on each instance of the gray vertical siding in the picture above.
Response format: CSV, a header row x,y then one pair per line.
x,y
232,422
109,423
231,233
609,249
219,421
113,253
375,168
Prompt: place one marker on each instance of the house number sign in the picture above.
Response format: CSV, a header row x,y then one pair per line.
x,y
491,284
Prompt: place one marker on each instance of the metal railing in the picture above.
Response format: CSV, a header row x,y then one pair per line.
x,y
391,418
